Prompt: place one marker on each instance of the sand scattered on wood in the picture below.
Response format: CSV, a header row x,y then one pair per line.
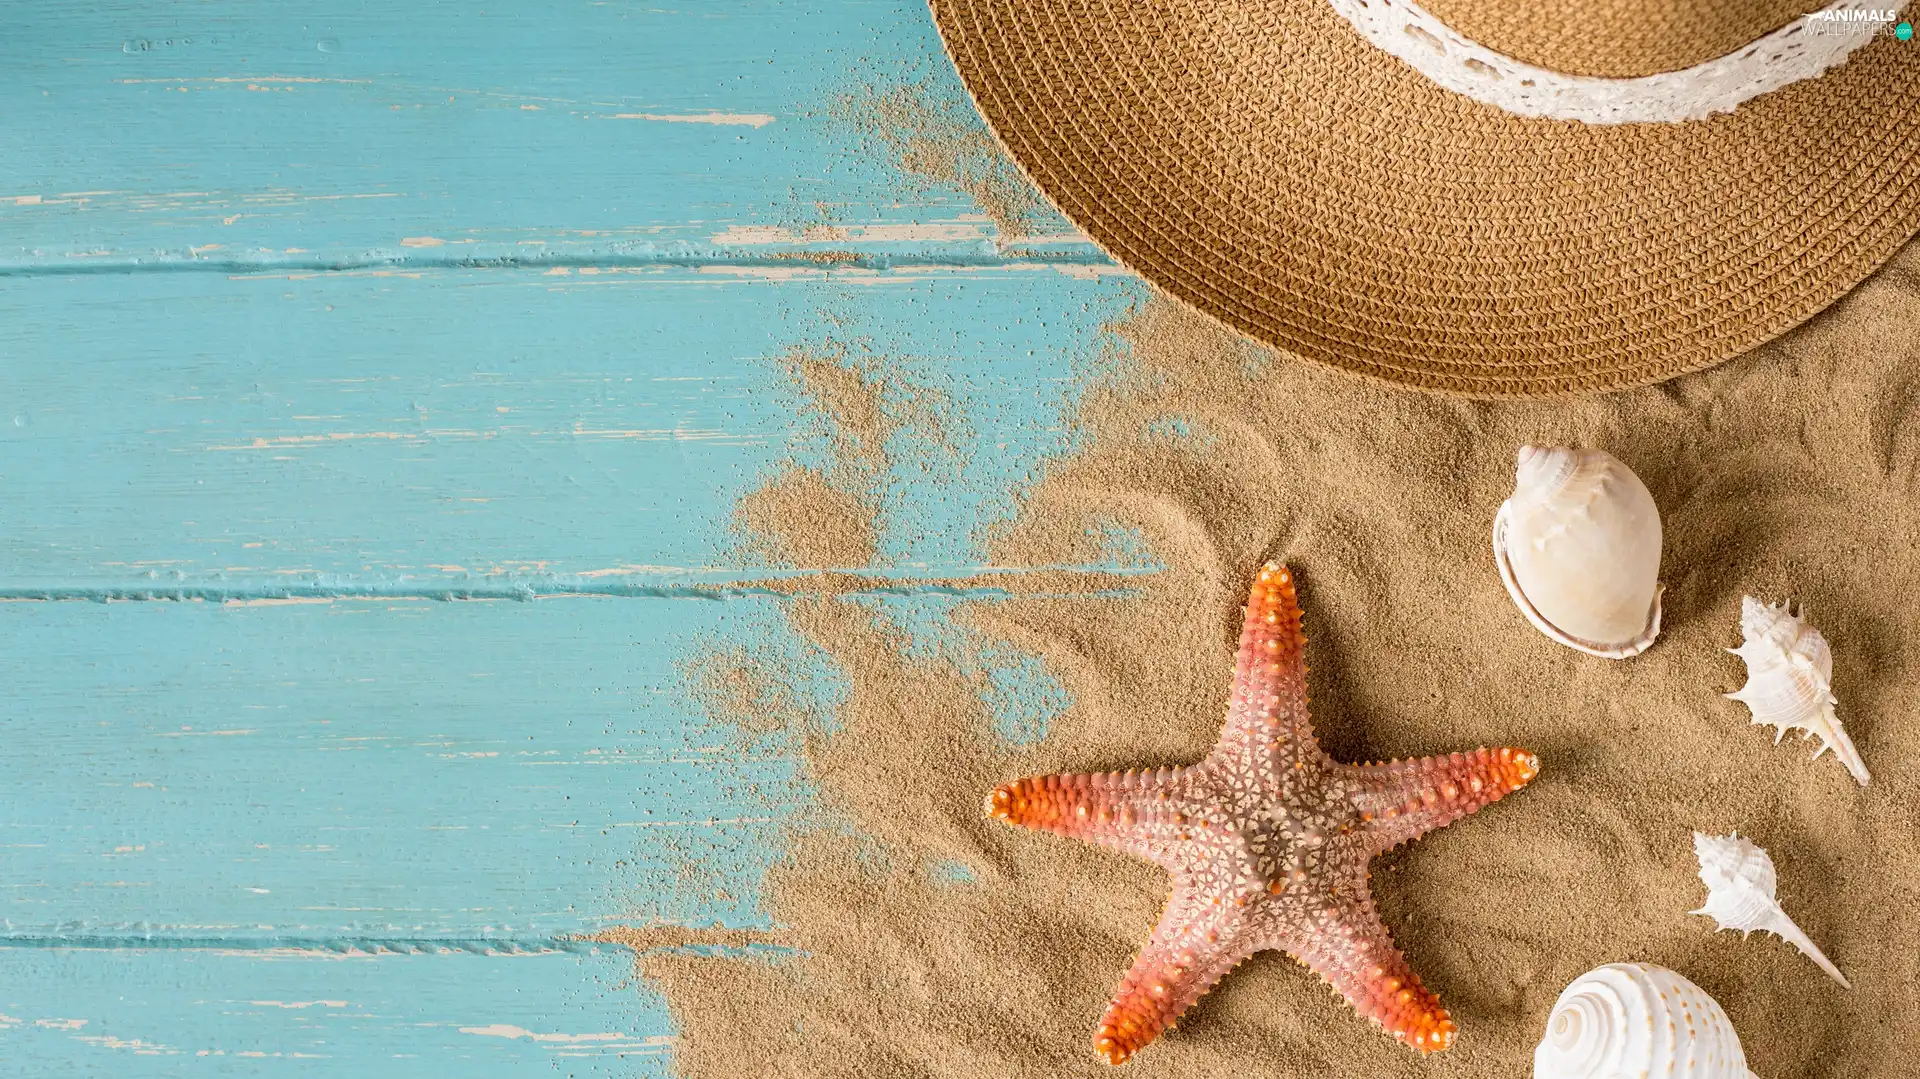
x,y
802,519
824,258
861,418
939,141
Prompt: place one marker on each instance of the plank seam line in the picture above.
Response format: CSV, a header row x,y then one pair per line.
x,y
349,945
798,259
778,588
335,944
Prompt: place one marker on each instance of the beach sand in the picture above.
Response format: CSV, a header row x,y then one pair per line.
x,y
1793,471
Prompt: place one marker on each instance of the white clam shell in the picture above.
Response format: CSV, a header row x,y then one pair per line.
x,y
1637,1021
1740,882
1578,546
1790,680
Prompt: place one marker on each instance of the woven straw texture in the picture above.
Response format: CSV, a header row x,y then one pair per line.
x,y
1617,38
1258,160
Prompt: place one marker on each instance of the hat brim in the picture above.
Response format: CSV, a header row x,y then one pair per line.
x,y
1265,164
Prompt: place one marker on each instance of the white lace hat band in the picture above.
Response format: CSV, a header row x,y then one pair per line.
x,y
1802,49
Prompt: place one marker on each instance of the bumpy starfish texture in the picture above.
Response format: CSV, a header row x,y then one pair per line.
x,y
1267,842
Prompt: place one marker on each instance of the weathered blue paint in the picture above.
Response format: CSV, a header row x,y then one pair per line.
x,y
136,1014
321,133
380,772
496,428
370,306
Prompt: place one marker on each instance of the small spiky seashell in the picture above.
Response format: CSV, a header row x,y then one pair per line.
x,y
1578,548
1740,882
1790,679
1638,1021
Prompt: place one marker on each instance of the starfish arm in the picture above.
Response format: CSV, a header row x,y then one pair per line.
x,y
1267,718
1345,942
1137,813
1407,799
1196,943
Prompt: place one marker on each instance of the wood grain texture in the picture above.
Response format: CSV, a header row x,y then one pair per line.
x,y
320,315
494,430
385,774
136,1014
330,133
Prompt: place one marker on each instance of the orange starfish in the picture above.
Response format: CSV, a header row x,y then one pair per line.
x,y
1267,842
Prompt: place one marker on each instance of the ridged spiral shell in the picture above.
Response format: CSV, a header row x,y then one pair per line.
x,y
1790,680
1578,547
1740,882
1638,1021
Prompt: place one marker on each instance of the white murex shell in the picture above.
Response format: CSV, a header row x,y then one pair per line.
x,y
1578,546
1638,1021
1740,882
1790,679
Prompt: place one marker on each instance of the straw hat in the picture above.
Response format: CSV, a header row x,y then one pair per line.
x,y
1494,198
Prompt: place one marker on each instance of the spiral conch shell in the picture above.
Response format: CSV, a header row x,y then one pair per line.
x,y
1740,881
1578,546
1637,1021
1790,680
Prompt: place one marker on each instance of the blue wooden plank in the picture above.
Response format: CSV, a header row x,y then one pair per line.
x,y
324,133
376,775
578,226
493,430
135,1014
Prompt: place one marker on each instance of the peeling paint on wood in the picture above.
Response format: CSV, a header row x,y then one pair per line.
x,y
476,428
136,1013
329,323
